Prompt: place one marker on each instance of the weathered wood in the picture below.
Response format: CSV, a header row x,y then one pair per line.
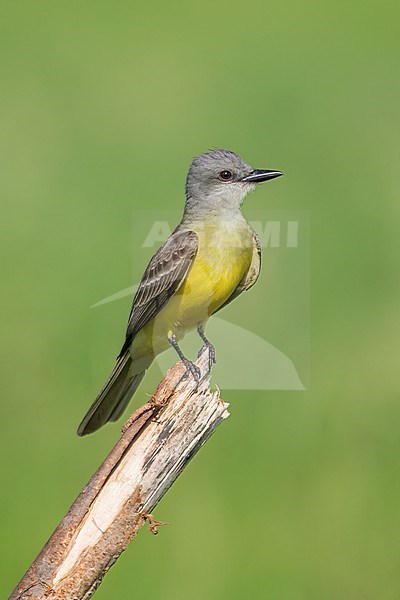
x,y
157,443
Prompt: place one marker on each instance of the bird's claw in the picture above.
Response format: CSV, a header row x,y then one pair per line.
x,y
194,370
211,354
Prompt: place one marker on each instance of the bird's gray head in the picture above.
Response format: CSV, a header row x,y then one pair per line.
x,y
219,181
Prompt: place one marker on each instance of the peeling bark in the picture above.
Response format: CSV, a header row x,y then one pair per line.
x,y
157,443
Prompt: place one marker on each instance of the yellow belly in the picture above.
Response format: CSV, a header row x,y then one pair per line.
x,y
215,273
209,283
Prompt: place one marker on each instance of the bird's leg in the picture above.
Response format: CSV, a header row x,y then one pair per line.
x,y
190,367
207,344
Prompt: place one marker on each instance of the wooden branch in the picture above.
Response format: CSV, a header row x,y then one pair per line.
x,y
157,443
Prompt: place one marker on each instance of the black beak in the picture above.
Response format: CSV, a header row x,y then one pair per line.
x,y
259,175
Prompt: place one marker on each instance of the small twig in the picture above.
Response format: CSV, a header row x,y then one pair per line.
x,y
153,524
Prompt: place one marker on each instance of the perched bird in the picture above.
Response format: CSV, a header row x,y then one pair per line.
x,y
212,256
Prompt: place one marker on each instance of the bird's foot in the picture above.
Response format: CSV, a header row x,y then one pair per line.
x,y
192,369
207,344
190,366
211,354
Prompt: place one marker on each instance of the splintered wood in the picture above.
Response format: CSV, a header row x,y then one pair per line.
x,y
158,442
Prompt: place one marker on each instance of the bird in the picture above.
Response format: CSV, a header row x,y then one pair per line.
x,y
211,257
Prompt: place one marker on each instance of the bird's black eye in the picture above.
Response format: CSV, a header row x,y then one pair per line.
x,y
225,175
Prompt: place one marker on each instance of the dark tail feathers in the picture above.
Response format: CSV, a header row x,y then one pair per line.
x,y
113,398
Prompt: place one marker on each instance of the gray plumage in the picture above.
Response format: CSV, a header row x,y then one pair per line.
x,y
216,185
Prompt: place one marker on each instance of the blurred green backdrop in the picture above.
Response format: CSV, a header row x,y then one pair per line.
x,y
103,106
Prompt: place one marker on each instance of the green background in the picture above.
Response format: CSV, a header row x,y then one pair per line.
x,y
102,107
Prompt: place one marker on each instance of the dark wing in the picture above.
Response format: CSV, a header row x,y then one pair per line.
x,y
164,274
252,274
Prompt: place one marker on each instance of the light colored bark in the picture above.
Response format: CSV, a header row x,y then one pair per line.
x,y
158,442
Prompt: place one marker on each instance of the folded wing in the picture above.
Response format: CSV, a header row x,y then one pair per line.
x,y
163,276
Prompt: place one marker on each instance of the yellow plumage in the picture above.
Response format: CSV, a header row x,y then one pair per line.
x,y
224,255
211,257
